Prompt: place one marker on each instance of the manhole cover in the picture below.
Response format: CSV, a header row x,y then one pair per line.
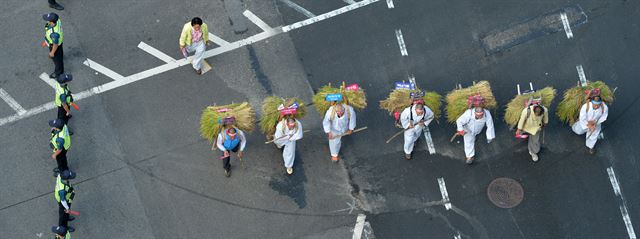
x,y
505,192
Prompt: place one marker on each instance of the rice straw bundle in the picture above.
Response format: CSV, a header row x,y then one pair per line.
x,y
271,114
518,103
569,108
399,99
457,99
211,119
356,99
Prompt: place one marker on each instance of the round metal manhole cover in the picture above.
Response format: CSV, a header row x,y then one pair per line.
x,y
505,192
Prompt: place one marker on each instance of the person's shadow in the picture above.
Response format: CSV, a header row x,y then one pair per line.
x,y
292,185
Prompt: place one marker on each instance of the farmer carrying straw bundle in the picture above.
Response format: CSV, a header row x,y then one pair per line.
x,y
339,115
468,107
227,125
529,112
279,118
418,110
584,108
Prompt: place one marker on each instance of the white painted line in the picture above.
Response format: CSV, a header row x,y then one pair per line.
x,y
256,20
567,26
105,71
443,192
298,8
390,4
518,85
217,40
403,47
457,236
45,77
583,78
327,15
12,102
427,137
357,230
155,52
623,205
349,1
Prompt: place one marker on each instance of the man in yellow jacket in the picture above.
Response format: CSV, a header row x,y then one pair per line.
x,y
193,39
532,119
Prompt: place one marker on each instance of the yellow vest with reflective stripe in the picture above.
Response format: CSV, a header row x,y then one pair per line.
x,y
64,133
59,187
59,92
57,29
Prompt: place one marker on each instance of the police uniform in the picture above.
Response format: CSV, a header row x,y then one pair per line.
x,y
64,194
63,97
54,35
60,140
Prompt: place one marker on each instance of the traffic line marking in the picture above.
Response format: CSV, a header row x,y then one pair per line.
x,y
349,1
217,40
155,52
390,4
357,230
443,192
256,20
566,25
298,8
403,47
623,203
12,102
45,77
457,236
583,78
327,15
105,71
427,137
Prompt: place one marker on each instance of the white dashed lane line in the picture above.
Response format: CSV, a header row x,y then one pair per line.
x,y
443,192
390,4
403,47
566,25
623,203
583,77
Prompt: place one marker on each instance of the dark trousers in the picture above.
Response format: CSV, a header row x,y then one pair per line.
x,y
52,1
62,114
63,217
61,159
57,60
226,164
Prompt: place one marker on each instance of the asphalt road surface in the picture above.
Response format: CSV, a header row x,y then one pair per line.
x,y
144,171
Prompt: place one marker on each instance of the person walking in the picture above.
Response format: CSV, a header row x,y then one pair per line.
x,y
193,39
53,4
340,119
53,36
288,131
414,120
592,115
60,142
64,194
469,125
230,140
532,120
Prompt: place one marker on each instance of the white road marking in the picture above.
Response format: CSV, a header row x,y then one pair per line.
x,y
122,81
217,40
155,52
349,1
390,4
298,8
45,77
443,192
427,137
357,230
566,24
403,47
623,205
583,78
12,102
457,236
256,20
105,71
328,15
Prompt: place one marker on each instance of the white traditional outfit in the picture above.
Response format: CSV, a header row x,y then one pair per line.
x,y
336,125
286,138
588,113
472,127
409,117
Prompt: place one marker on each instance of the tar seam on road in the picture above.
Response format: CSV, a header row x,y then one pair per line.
x,y
45,77
155,52
120,80
443,192
390,4
403,47
298,8
257,69
623,203
566,25
12,102
583,78
357,230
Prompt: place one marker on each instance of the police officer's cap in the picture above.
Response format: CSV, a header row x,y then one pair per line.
x,y
58,123
67,174
64,78
50,17
60,230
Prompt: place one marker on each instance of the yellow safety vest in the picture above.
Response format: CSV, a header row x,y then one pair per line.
x,y
64,134
59,92
61,186
56,29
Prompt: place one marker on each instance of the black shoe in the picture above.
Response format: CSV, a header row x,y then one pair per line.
x,y
227,173
56,6
71,229
71,218
53,76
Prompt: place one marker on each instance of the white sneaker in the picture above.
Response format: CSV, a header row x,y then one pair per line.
x,y
289,171
534,157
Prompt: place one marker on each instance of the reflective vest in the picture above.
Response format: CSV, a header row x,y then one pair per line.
x,y
56,29
64,134
229,143
68,196
62,91
68,235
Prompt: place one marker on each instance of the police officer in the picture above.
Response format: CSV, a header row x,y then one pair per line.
x,y
61,232
64,194
60,142
53,36
63,97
